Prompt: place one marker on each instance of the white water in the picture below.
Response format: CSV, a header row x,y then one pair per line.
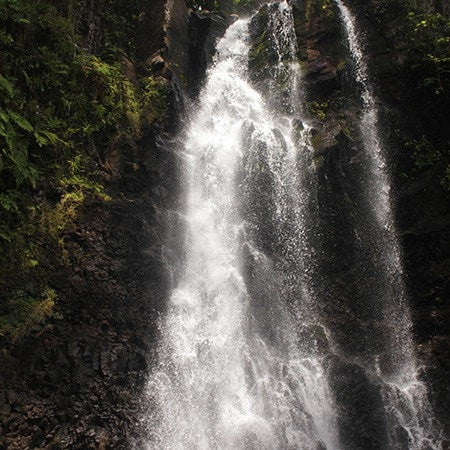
x,y
231,372
405,396
243,355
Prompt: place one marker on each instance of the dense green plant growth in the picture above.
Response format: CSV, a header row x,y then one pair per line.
x,y
65,100
319,8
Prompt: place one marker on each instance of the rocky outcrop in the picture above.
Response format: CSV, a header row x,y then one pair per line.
x,y
206,28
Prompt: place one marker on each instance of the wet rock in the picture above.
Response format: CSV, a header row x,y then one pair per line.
x,y
205,29
313,338
137,362
323,73
298,124
156,64
330,137
361,407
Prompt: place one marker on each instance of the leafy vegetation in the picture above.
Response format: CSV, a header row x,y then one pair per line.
x,y
319,109
423,152
427,46
423,32
66,99
430,35
420,32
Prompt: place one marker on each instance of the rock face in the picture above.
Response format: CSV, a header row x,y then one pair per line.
x,y
407,110
412,112
205,30
78,383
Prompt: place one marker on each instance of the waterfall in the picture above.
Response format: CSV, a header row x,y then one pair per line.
x,y
404,395
241,354
247,356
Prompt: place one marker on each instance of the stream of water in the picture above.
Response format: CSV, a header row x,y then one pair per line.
x,y
244,355
405,396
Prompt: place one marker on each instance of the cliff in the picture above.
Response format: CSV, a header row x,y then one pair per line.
x,y
413,95
86,209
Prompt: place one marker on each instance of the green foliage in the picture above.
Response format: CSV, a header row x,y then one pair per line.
x,y
423,34
120,18
66,100
57,97
22,313
424,153
154,99
319,109
319,8
430,38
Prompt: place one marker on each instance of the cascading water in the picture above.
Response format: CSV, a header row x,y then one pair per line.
x,y
247,357
239,361
404,395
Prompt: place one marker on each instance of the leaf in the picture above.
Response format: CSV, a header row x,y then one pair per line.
x,y
45,137
5,234
22,169
20,120
4,116
8,203
23,21
52,137
7,86
41,140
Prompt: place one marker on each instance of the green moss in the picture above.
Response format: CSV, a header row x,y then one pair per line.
x,y
315,141
319,109
154,100
327,8
23,313
259,49
319,8
342,63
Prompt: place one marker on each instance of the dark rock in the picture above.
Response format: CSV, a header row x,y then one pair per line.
x,y
328,138
205,29
361,413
